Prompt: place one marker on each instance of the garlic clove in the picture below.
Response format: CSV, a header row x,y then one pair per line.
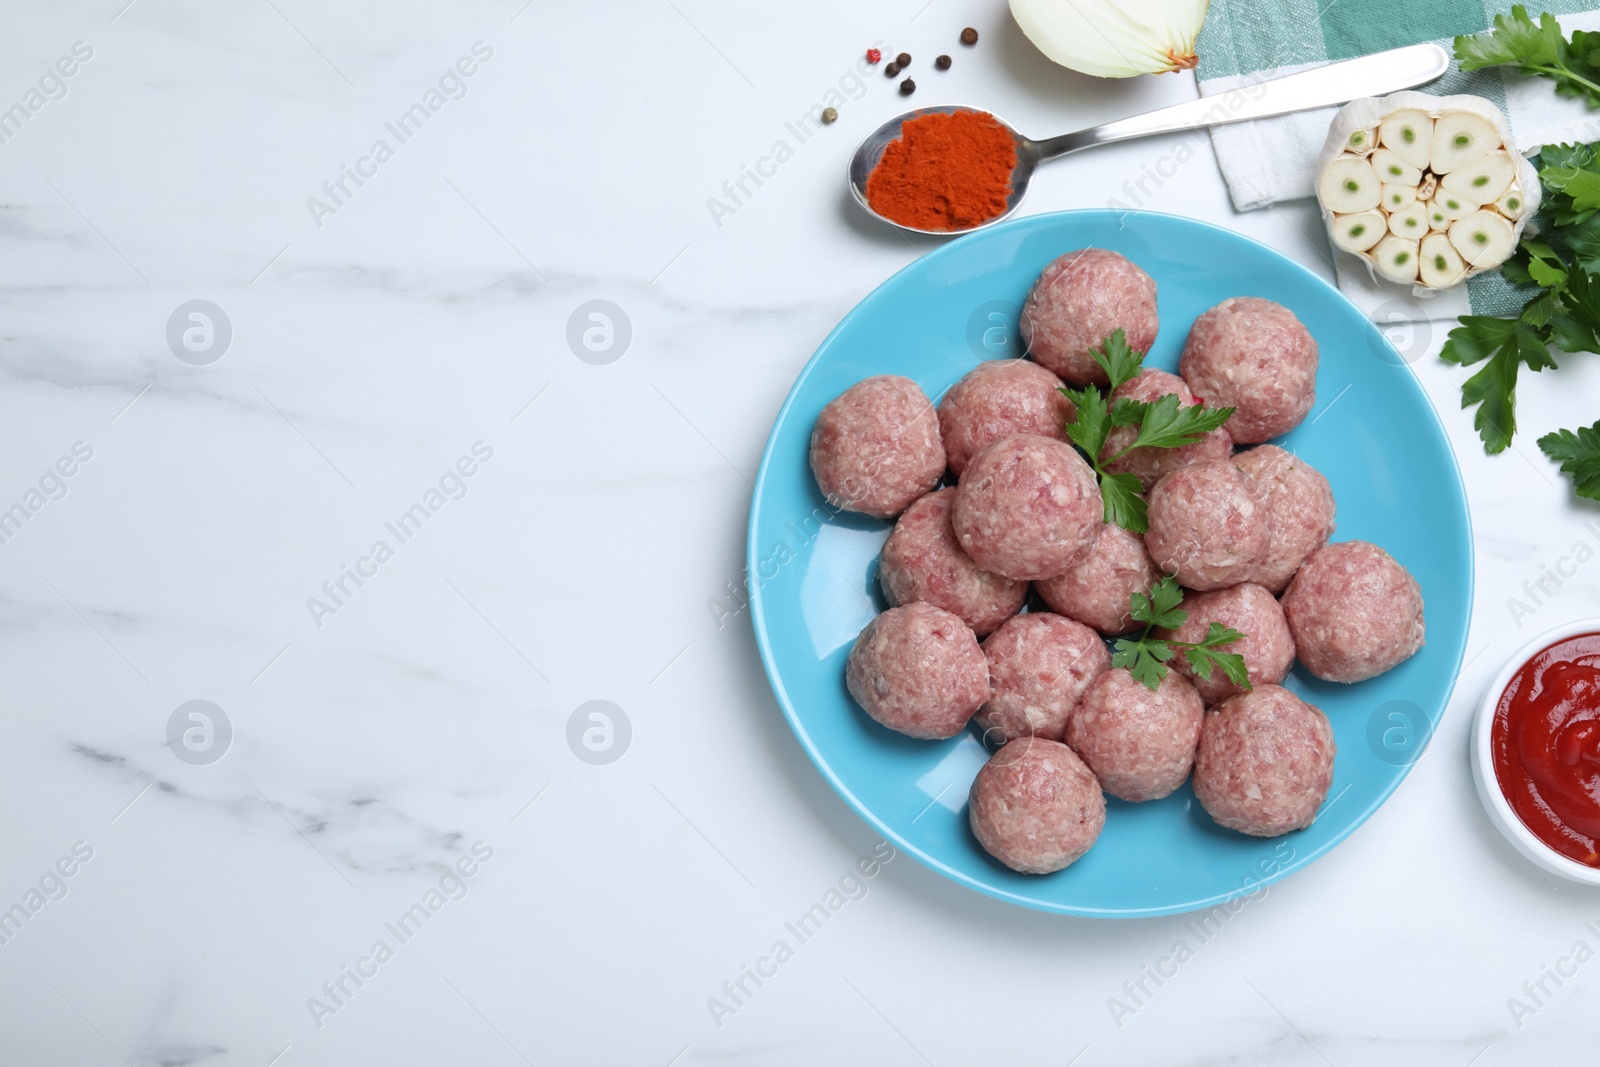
x,y
1410,222
1357,233
1361,142
1392,169
1483,238
1485,180
1513,205
1453,205
1440,264
1349,184
1459,138
1437,219
1395,258
1408,134
1395,197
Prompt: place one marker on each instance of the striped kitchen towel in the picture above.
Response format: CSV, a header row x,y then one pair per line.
x,y
1268,160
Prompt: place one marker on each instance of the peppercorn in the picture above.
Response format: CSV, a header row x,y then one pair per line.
x,y
969,36
829,114
891,70
943,62
908,87
873,55
904,59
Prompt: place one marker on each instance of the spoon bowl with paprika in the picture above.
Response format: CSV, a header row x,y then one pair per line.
x,y
951,170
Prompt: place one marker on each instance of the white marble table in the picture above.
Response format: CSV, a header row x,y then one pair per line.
x,y
406,742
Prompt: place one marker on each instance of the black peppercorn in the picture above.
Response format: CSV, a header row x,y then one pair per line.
x,y
969,36
891,70
908,87
904,59
943,62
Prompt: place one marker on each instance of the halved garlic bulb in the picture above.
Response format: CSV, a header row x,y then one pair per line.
x,y
1443,196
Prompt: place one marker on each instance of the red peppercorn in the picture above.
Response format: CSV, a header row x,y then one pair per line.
x,y
873,55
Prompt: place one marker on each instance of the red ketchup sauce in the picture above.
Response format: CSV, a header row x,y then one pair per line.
x,y
1546,744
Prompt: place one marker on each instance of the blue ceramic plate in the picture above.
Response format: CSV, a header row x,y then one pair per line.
x,y
813,570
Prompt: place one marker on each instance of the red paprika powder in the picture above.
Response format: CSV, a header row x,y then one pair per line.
x,y
946,172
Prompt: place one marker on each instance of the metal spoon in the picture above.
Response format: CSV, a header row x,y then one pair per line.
x,y
1336,83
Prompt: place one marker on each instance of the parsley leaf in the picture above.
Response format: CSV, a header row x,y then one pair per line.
x,y
1166,425
1162,424
1202,655
1506,344
1126,411
1513,39
1092,421
1578,452
1124,503
1118,359
1535,48
1160,608
1146,656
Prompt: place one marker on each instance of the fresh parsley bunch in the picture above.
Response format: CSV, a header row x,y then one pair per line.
x,y
1562,262
1146,657
1537,48
1162,424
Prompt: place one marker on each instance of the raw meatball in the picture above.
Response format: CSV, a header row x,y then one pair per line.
x,y
1139,742
1098,590
1354,612
1035,807
1265,762
1299,511
1266,646
922,561
1027,507
1151,463
876,447
996,399
919,670
1208,525
1039,665
1254,356
1076,304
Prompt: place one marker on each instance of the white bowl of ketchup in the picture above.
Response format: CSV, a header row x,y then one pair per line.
x,y
1536,751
